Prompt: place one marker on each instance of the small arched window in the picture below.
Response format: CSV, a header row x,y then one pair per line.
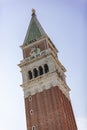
x,y
35,72
33,128
30,98
31,112
30,75
40,70
46,68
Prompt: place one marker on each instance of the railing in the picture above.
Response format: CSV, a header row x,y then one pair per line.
x,y
44,52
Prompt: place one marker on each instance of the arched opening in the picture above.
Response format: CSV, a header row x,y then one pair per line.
x,y
30,75
35,72
33,128
40,70
46,68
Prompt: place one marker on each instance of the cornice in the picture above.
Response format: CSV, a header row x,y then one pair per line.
x,y
44,82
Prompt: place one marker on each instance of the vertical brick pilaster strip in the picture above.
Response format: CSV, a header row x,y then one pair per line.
x,y
63,114
66,110
53,109
50,112
46,109
72,117
38,111
61,110
56,109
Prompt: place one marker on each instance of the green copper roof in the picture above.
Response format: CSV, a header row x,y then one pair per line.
x,y
34,32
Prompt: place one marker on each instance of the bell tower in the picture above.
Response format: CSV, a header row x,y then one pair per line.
x,y
46,94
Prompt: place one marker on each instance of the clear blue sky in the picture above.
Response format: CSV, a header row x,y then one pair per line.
x,y
65,23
